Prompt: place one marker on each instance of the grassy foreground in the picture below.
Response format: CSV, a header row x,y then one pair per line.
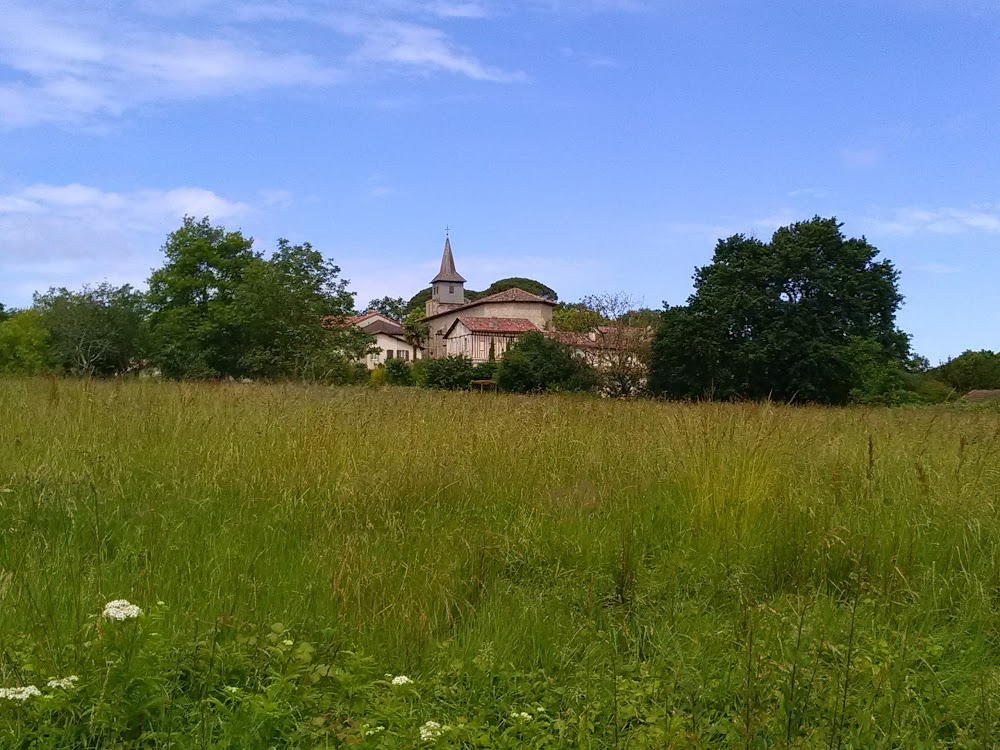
x,y
549,572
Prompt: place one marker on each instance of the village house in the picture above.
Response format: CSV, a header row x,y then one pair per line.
x,y
481,328
388,339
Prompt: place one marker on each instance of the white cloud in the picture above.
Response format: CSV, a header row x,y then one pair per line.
x,y
978,218
56,235
429,49
76,64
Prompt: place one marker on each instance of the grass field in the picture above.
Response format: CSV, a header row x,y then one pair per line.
x,y
549,572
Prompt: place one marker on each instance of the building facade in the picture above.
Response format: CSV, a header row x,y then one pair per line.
x,y
458,326
388,338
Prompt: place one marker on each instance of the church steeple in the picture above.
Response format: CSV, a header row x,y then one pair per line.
x,y
448,272
448,287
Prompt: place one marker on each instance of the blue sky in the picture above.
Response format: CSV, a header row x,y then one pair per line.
x,y
597,145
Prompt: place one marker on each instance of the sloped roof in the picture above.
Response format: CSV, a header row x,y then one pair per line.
x,y
363,321
494,325
448,272
571,338
982,395
610,338
380,326
509,295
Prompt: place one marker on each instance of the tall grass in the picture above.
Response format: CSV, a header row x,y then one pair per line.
x,y
707,575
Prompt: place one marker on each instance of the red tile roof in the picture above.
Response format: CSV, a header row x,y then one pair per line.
x,y
497,325
982,395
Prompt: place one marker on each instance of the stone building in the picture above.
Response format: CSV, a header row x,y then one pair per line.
x,y
458,326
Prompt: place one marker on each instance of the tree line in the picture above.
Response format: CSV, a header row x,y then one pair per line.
x,y
216,308
808,316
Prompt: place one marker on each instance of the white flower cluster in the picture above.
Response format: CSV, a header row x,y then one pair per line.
x,y
370,730
65,683
19,693
521,716
121,609
430,731
401,679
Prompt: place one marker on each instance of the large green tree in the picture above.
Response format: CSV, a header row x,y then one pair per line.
x,y
970,371
193,328
289,309
24,344
784,319
392,307
97,331
519,282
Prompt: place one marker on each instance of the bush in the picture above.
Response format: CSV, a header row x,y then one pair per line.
x,y
418,371
536,364
449,373
376,377
397,372
335,369
24,344
486,370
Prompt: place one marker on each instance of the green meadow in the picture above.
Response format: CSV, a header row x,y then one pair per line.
x,y
546,571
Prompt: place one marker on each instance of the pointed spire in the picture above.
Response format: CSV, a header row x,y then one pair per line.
x,y
448,272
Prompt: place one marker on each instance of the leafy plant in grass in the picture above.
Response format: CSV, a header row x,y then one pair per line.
x,y
398,372
536,364
448,373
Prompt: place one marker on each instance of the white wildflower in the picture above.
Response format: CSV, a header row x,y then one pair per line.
x,y
521,716
232,689
121,609
19,693
65,683
401,679
430,731
287,642
370,730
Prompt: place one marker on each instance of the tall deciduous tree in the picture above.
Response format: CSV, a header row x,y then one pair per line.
x,y
416,330
193,329
24,344
621,345
96,331
970,370
783,319
393,307
290,309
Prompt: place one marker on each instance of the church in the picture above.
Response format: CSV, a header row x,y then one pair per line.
x,y
481,328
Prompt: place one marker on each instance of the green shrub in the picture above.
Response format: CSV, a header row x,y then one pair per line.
x,y
398,372
486,370
536,364
24,344
376,377
418,371
448,373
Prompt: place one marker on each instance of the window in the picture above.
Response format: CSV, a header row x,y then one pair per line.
x,y
403,354
435,290
389,353
451,289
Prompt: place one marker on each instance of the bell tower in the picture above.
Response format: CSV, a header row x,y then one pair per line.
x,y
448,287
